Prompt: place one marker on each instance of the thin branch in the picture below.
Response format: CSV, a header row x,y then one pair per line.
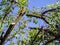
x,y
46,30
49,41
42,14
41,17
51,10
33,15
36,35
45,20
8,10
57,36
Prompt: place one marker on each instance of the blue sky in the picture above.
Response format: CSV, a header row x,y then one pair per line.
x,y
37,3
0,0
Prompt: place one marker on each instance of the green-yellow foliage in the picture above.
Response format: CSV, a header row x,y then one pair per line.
x,y
22,3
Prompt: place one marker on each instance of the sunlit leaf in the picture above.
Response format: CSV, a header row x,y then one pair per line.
x,y
35,21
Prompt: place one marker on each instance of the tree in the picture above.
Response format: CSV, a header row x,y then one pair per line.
x,y
12,25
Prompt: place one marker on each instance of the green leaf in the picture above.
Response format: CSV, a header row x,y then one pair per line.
x,y
16,35
4,0
22,3
35,21
58,7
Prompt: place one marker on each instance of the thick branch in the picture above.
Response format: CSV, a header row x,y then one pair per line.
x,y
12,26
5,15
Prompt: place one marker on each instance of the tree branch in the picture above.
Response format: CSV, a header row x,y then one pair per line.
x,y
22,12
8,10
46,30
42,14
57,36
36,35
6,13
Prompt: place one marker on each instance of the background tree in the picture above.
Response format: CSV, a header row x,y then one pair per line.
x,y
13,25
